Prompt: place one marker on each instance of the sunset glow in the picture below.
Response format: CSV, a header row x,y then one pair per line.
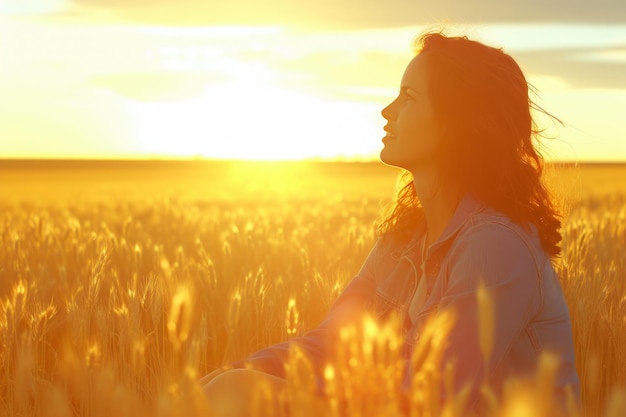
x,y
94,83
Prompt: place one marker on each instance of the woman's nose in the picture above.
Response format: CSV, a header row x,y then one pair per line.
x,y
388,112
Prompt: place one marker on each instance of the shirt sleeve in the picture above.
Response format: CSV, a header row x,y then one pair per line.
x,y
497,255
317,343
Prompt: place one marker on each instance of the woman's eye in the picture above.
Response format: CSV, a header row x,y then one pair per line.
x,y
408,96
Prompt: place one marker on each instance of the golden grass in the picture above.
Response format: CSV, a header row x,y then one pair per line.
x,y
119,289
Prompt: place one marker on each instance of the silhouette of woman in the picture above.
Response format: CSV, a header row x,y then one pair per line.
x,y
474,209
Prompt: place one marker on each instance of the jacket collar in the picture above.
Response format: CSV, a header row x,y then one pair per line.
x,y
468,206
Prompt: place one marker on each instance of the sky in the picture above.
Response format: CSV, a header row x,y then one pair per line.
x,y
282,79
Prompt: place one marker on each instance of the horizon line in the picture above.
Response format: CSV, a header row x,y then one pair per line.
x,y
194,159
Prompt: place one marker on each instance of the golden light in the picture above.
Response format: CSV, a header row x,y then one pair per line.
x,y
521,405
254,120
95,85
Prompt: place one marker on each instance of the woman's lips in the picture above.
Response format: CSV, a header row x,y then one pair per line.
x,y
389,137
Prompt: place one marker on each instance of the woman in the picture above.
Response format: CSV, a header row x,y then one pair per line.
x,y
473,211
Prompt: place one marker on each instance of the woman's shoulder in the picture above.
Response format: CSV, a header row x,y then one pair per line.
x,y
496,251
491,234
490,223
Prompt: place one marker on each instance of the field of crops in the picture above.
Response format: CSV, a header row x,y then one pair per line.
x,y
122,284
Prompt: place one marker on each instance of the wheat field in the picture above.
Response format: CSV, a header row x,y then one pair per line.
x,y
121,284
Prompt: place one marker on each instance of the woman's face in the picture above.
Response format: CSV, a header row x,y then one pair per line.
x,y
413,136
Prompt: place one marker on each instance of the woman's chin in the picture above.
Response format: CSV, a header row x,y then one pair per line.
x,y
387,158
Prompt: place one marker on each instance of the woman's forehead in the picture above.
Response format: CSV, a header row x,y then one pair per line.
x,y
416,75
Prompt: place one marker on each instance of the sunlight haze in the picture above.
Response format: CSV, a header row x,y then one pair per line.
x,y
286,81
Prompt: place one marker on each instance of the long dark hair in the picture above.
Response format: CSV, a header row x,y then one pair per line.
x,y
481,98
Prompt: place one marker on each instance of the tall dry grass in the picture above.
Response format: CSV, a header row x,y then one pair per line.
x,y
117,305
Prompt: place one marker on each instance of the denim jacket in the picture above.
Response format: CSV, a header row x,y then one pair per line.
x,y
479,244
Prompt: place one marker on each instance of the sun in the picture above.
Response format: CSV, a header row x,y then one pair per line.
x,y
252,121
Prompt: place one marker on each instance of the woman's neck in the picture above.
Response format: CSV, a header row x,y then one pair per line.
x,y
439,202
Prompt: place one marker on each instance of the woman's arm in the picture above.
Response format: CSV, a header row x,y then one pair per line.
x,y
317,343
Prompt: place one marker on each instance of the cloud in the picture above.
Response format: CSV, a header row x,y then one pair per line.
x,y
361,13
578,68
367,75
